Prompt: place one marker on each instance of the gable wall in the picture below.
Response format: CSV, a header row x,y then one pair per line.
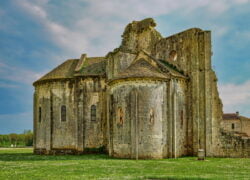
x,y
118,62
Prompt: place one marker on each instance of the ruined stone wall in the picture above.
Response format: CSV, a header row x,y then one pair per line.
x,y
140,35
233,145
137,36
191,52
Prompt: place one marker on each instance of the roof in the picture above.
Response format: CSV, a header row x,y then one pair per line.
x,y
96,66
92,66
171,68
141,68
165,66
63,71
233,116
230,116
244,118
93,60
146,66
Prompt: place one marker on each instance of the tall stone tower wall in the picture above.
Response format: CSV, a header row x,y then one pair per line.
x,y
191,52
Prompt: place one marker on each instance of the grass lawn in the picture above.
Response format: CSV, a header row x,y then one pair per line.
x,y
22,164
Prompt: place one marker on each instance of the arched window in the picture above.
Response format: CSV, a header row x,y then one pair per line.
x,y
151,116
93,113
233,126
40,114
120,116
63,113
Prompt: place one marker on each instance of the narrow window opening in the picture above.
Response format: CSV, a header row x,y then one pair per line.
x,y
63,113
120,116
182,118
93,113
40,115
233,126
151,116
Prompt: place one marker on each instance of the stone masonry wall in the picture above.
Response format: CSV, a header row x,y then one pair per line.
x,y
154,120
91,91
246,125
181,117
139,133
78,132
137,36
227,125
51,132
191,52
233,145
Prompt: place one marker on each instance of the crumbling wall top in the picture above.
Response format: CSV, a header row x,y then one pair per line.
x,y
140,35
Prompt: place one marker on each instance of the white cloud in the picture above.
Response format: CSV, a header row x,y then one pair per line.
x,y
135,8
241,1
235,97
65,37
33,9
17,74
103,21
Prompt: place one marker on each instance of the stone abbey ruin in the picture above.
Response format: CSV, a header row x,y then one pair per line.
x,y
153,97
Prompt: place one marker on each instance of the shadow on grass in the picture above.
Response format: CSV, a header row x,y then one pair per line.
x,y
33,157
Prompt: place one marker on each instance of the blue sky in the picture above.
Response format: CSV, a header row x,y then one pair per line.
x,y
37,35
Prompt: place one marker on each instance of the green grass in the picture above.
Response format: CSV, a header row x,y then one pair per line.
x,y
22,164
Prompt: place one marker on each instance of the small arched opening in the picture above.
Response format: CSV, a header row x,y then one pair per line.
x,y
63,113
93,113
